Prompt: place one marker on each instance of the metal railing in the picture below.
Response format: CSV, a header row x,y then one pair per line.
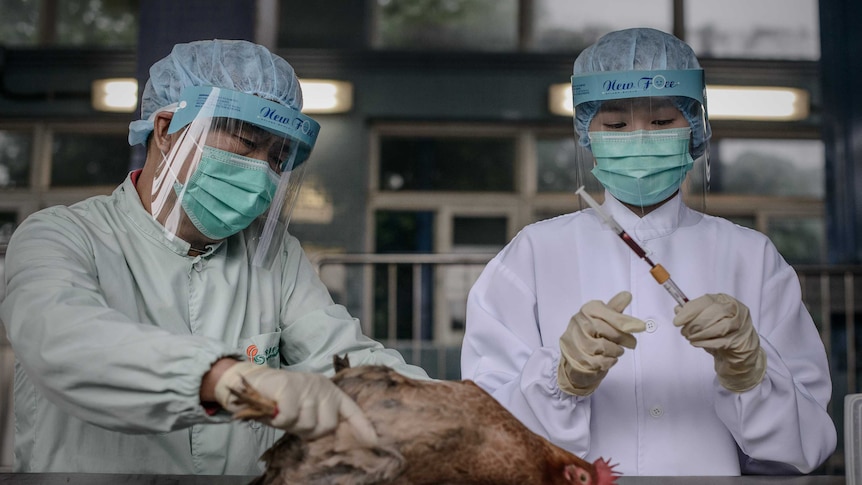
x,y
7,366
423,318
7,371
833,298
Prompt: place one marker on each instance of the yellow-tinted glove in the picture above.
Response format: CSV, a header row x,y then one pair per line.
x,y
593,342
308,404
722,326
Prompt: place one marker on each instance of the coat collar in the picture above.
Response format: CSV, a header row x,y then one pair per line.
x,y
130,203
658,223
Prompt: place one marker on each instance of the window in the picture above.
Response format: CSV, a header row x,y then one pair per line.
x,y
401,232
45,164
758,29
768,167
479,233
470,234
89,159
8,222
447,163
775,186
321,24
107,23
800,240
562,165
16,149
564,25
481,25
761,29
19,22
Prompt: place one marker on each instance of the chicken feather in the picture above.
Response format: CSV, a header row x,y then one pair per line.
x,y
431,432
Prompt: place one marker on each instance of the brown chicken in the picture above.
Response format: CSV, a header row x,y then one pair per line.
x,y
431,432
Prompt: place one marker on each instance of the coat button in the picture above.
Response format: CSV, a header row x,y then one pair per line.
x,y
656,411
651,326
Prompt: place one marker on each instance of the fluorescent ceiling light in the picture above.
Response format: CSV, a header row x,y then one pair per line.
x,y
723,102
560,99
756,103
326,96
319,95
118,94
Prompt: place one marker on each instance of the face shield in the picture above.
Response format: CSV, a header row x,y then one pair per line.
x,y
237,162
646,134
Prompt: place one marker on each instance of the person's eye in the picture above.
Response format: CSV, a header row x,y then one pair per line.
x,y
278,157
663,122
615,126
276,165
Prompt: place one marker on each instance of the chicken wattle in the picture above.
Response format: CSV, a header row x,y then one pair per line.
x,y
431,432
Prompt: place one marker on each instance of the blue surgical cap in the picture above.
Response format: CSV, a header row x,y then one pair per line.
x,y
230,64
641,49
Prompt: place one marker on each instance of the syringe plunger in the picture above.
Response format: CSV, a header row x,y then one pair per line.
x,y
595,205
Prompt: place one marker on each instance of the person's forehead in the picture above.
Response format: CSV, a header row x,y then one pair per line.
x,y
636,104
245,128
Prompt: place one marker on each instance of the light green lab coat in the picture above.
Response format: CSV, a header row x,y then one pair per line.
x,y
113,327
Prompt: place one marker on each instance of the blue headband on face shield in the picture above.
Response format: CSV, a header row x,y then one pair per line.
x,y
606,85
212,102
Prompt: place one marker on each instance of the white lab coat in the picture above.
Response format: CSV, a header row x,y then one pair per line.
x,y
114,325
660,410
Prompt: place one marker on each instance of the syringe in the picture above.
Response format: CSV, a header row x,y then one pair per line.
x,y
656,270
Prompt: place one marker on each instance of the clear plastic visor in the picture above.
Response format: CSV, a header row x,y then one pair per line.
x,y
644,150
224,174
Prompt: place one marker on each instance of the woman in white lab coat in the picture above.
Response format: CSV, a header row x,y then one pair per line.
x,y
568,329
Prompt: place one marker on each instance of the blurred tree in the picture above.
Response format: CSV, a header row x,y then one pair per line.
x,y
800,241
108,23
759,173
105,23
447,24
15,153
19,22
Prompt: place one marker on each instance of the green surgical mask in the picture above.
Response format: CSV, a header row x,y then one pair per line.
x,y
643,167
227,192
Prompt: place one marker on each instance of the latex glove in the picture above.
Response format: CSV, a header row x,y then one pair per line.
x,y
308,404
593,342
722,326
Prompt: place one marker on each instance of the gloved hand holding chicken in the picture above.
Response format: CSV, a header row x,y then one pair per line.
x,y
593,342
305,404
722,326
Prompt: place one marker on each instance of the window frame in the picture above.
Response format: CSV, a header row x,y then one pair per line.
x,y
40,194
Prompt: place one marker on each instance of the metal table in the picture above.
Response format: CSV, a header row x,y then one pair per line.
x,y
118,479
112,479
